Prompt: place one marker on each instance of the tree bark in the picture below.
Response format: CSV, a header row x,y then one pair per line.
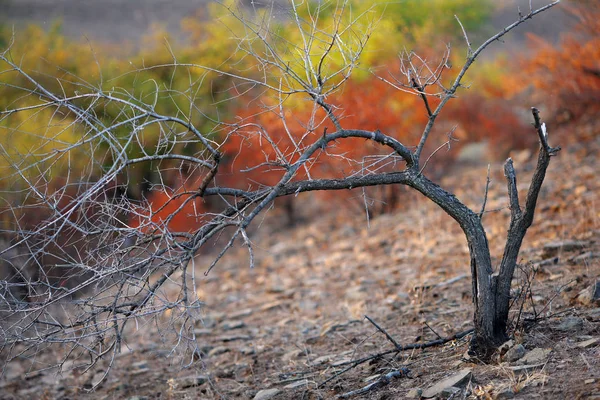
x,y
520,220
489,334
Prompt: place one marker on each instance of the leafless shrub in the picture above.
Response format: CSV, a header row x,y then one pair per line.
x,y
95,260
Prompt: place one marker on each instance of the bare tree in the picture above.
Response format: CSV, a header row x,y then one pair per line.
x,y
95,270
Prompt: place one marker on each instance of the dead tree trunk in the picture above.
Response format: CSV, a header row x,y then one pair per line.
x,y
491,291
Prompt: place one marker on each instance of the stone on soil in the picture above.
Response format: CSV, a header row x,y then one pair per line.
x,y
588,343
583,258
414,393
191,381
266,394
552,249
589,294
450,392
230,325
231,338
454,380
570,324
292,355
535,356
218,350
297,384
515,353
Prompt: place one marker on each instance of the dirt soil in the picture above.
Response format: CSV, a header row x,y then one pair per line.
x,y
296,321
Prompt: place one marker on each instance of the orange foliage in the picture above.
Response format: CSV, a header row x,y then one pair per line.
x,y
256,154
488,118
172,208
567,77
366,105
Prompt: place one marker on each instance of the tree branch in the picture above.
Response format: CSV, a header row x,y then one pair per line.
x,y
470,60
513,193
521,221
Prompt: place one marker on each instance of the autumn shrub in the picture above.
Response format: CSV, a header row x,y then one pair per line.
x,y
566,77
164,75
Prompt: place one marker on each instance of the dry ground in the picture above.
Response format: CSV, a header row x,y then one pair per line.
x,y
298,317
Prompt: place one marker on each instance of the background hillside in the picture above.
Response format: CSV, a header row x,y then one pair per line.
x,y
124,20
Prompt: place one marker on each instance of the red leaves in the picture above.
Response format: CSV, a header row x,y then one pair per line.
x,y
176,210
567,77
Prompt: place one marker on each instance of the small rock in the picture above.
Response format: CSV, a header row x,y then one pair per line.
x,y
547,262
450,391
231,338
514,353
138,398
473,153
583,258
589,294
139,368
216,315
140,365
414,393
241,314
588,343
292,355
523,368
506,346
247,351
588,381
266,394
341,362
323,359
535,356
276,289
231,325
454,380
218,350
570,324
297,384
273,305
191,381
537,299
552,249
506,393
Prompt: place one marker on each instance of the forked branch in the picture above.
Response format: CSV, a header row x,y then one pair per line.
x,y
520,220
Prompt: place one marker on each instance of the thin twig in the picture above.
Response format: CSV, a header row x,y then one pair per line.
x,y
485,195
387,335
382,381
421,91
432,330
469,49
413,346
